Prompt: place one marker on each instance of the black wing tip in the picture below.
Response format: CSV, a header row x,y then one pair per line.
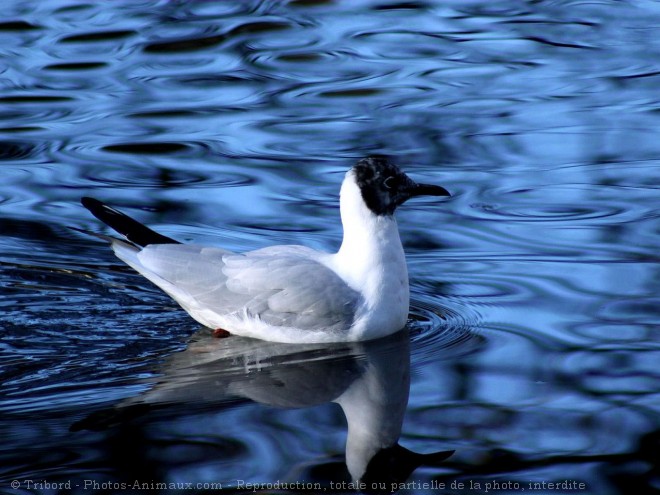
x,y
103,212
131,229
94,205
88,202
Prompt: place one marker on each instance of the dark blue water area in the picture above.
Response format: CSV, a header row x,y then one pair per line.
x,y
532,347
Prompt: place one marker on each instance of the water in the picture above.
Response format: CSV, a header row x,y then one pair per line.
x,y
534,322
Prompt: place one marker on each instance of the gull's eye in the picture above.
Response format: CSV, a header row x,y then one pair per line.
x,y
390,182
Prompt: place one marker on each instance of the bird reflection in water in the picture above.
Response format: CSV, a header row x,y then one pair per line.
x,y
369,380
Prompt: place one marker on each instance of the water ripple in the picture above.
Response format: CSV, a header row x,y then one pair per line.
x,y
97,36
18,26
17,150
150,148
534,287
204,40
442,329
546,213
163,177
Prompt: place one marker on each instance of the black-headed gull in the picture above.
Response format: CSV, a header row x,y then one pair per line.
x,y
288,293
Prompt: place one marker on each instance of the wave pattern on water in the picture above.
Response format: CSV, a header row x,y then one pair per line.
x,y
534,320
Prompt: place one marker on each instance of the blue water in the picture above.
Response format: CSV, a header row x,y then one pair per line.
x,y
535,290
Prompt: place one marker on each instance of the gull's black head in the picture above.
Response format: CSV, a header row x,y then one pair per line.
x,y
384,186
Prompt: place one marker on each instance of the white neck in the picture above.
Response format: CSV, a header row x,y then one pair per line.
x,y
371,260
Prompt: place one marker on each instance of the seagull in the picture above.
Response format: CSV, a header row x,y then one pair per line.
x,y
290,294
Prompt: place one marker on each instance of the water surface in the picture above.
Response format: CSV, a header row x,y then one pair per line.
x,y
535,311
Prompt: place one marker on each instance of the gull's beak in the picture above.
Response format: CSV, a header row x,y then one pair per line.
x,y
408,188
427,190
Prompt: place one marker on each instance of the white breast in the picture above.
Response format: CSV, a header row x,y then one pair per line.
x,y
371,261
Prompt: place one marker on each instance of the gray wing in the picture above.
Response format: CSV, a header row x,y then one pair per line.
x,y
282,285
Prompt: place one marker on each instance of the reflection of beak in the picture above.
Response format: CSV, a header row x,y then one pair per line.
x,y
427,190
393,465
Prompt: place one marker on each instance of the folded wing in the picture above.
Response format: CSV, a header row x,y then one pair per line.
x,y
285,286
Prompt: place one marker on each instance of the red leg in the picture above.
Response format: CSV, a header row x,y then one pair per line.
x,y
221,333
